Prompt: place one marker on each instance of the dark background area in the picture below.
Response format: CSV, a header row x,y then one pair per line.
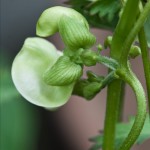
x,y
18,21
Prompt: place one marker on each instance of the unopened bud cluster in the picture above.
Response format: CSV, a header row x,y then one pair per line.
x,y
43,75
74,31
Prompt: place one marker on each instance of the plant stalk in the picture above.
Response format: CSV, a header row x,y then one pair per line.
x,y
113,98
121,103
115,88
146,61
131,79
138,25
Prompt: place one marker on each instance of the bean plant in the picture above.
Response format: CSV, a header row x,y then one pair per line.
x,y
48,77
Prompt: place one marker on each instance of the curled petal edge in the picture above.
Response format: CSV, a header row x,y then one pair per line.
x,y
48,22
35,57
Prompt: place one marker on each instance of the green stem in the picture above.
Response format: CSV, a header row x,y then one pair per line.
x,y
112,107
114,91
121,103
146,61
108,79
124,27
131,79
108,62
138,25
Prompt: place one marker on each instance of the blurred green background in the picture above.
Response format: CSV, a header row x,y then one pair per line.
x,y
19,122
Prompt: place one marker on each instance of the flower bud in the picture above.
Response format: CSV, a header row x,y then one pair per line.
x,y
86,89
48,22
108,41
134,51
99,47
89,58
63,72
74,34
28,67
91,90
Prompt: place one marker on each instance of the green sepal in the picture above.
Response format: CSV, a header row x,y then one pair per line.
x,y
86,89
63,72
74,34
35,57
48,22
92,77
91,90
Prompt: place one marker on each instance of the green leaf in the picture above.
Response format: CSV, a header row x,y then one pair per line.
x,y
99,13
122,130
35,57
147,30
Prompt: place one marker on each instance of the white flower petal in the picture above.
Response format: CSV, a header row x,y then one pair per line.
x,y
28,67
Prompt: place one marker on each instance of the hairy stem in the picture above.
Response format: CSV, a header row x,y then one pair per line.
x,y
115,88
146,61
108,62
131,79
108,79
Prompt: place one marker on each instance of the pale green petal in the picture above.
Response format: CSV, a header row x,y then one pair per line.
x,y
74,34
48,21
63,72
28,67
